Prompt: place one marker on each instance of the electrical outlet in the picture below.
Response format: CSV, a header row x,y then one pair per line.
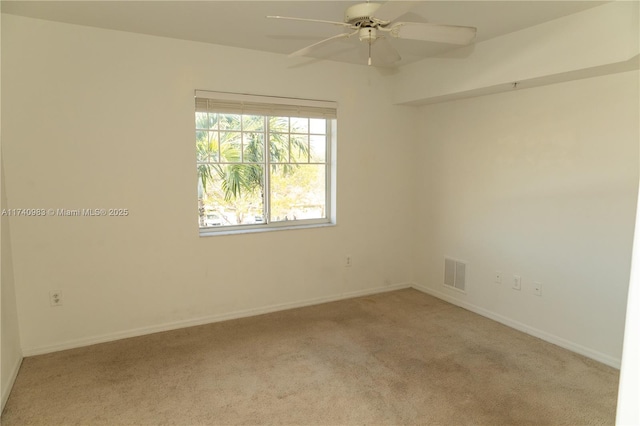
x,y
498,277
348,261
537,288
517,282
55,298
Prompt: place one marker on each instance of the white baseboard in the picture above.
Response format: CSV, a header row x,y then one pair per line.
x,y
558,341
574,347
6,388
39,350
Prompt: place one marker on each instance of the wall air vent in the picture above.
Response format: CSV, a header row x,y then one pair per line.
x,y
455,274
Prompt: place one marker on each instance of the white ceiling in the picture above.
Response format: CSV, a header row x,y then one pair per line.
x,y
243,23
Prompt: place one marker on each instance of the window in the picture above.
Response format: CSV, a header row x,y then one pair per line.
x,y
262,162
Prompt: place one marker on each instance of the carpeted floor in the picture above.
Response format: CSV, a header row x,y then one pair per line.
x,y
395,358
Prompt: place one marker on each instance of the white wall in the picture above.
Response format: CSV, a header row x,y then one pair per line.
x,y
628,412
97,118
10,349
542,183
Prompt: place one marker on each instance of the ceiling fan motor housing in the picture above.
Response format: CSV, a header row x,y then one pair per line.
x,y
360,14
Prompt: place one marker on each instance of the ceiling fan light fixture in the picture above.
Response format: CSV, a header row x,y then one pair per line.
x,y
368,34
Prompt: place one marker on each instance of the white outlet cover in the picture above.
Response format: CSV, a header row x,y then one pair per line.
x,y
517,282
537,288
55,298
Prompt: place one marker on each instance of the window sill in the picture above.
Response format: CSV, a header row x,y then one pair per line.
x,y
211,233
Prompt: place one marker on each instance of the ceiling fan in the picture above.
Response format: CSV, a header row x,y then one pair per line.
x,y
375,23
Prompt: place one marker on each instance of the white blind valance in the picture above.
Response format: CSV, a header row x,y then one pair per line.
x,y
234,103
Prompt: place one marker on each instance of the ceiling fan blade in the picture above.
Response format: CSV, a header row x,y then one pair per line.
x,y
342,24
306,50
392,9
450,34
385,52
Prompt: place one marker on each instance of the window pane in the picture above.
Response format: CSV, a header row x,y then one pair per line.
x,y
213,147
232,195
229,122
253,146
298,192
230,146
318,126
207,146
279,124
252,123
204,173
213,120
279,148
202,120
202,149
299,148
318,149
299,125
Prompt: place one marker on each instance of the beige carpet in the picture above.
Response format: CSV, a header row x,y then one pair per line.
x,y
395,358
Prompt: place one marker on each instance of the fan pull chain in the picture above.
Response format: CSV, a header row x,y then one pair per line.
x,y
369,63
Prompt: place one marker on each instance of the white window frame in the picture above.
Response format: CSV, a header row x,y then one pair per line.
x,y
284,107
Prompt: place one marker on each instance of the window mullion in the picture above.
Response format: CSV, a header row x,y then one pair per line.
x,y
327,166
241,139
266,191
309,141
